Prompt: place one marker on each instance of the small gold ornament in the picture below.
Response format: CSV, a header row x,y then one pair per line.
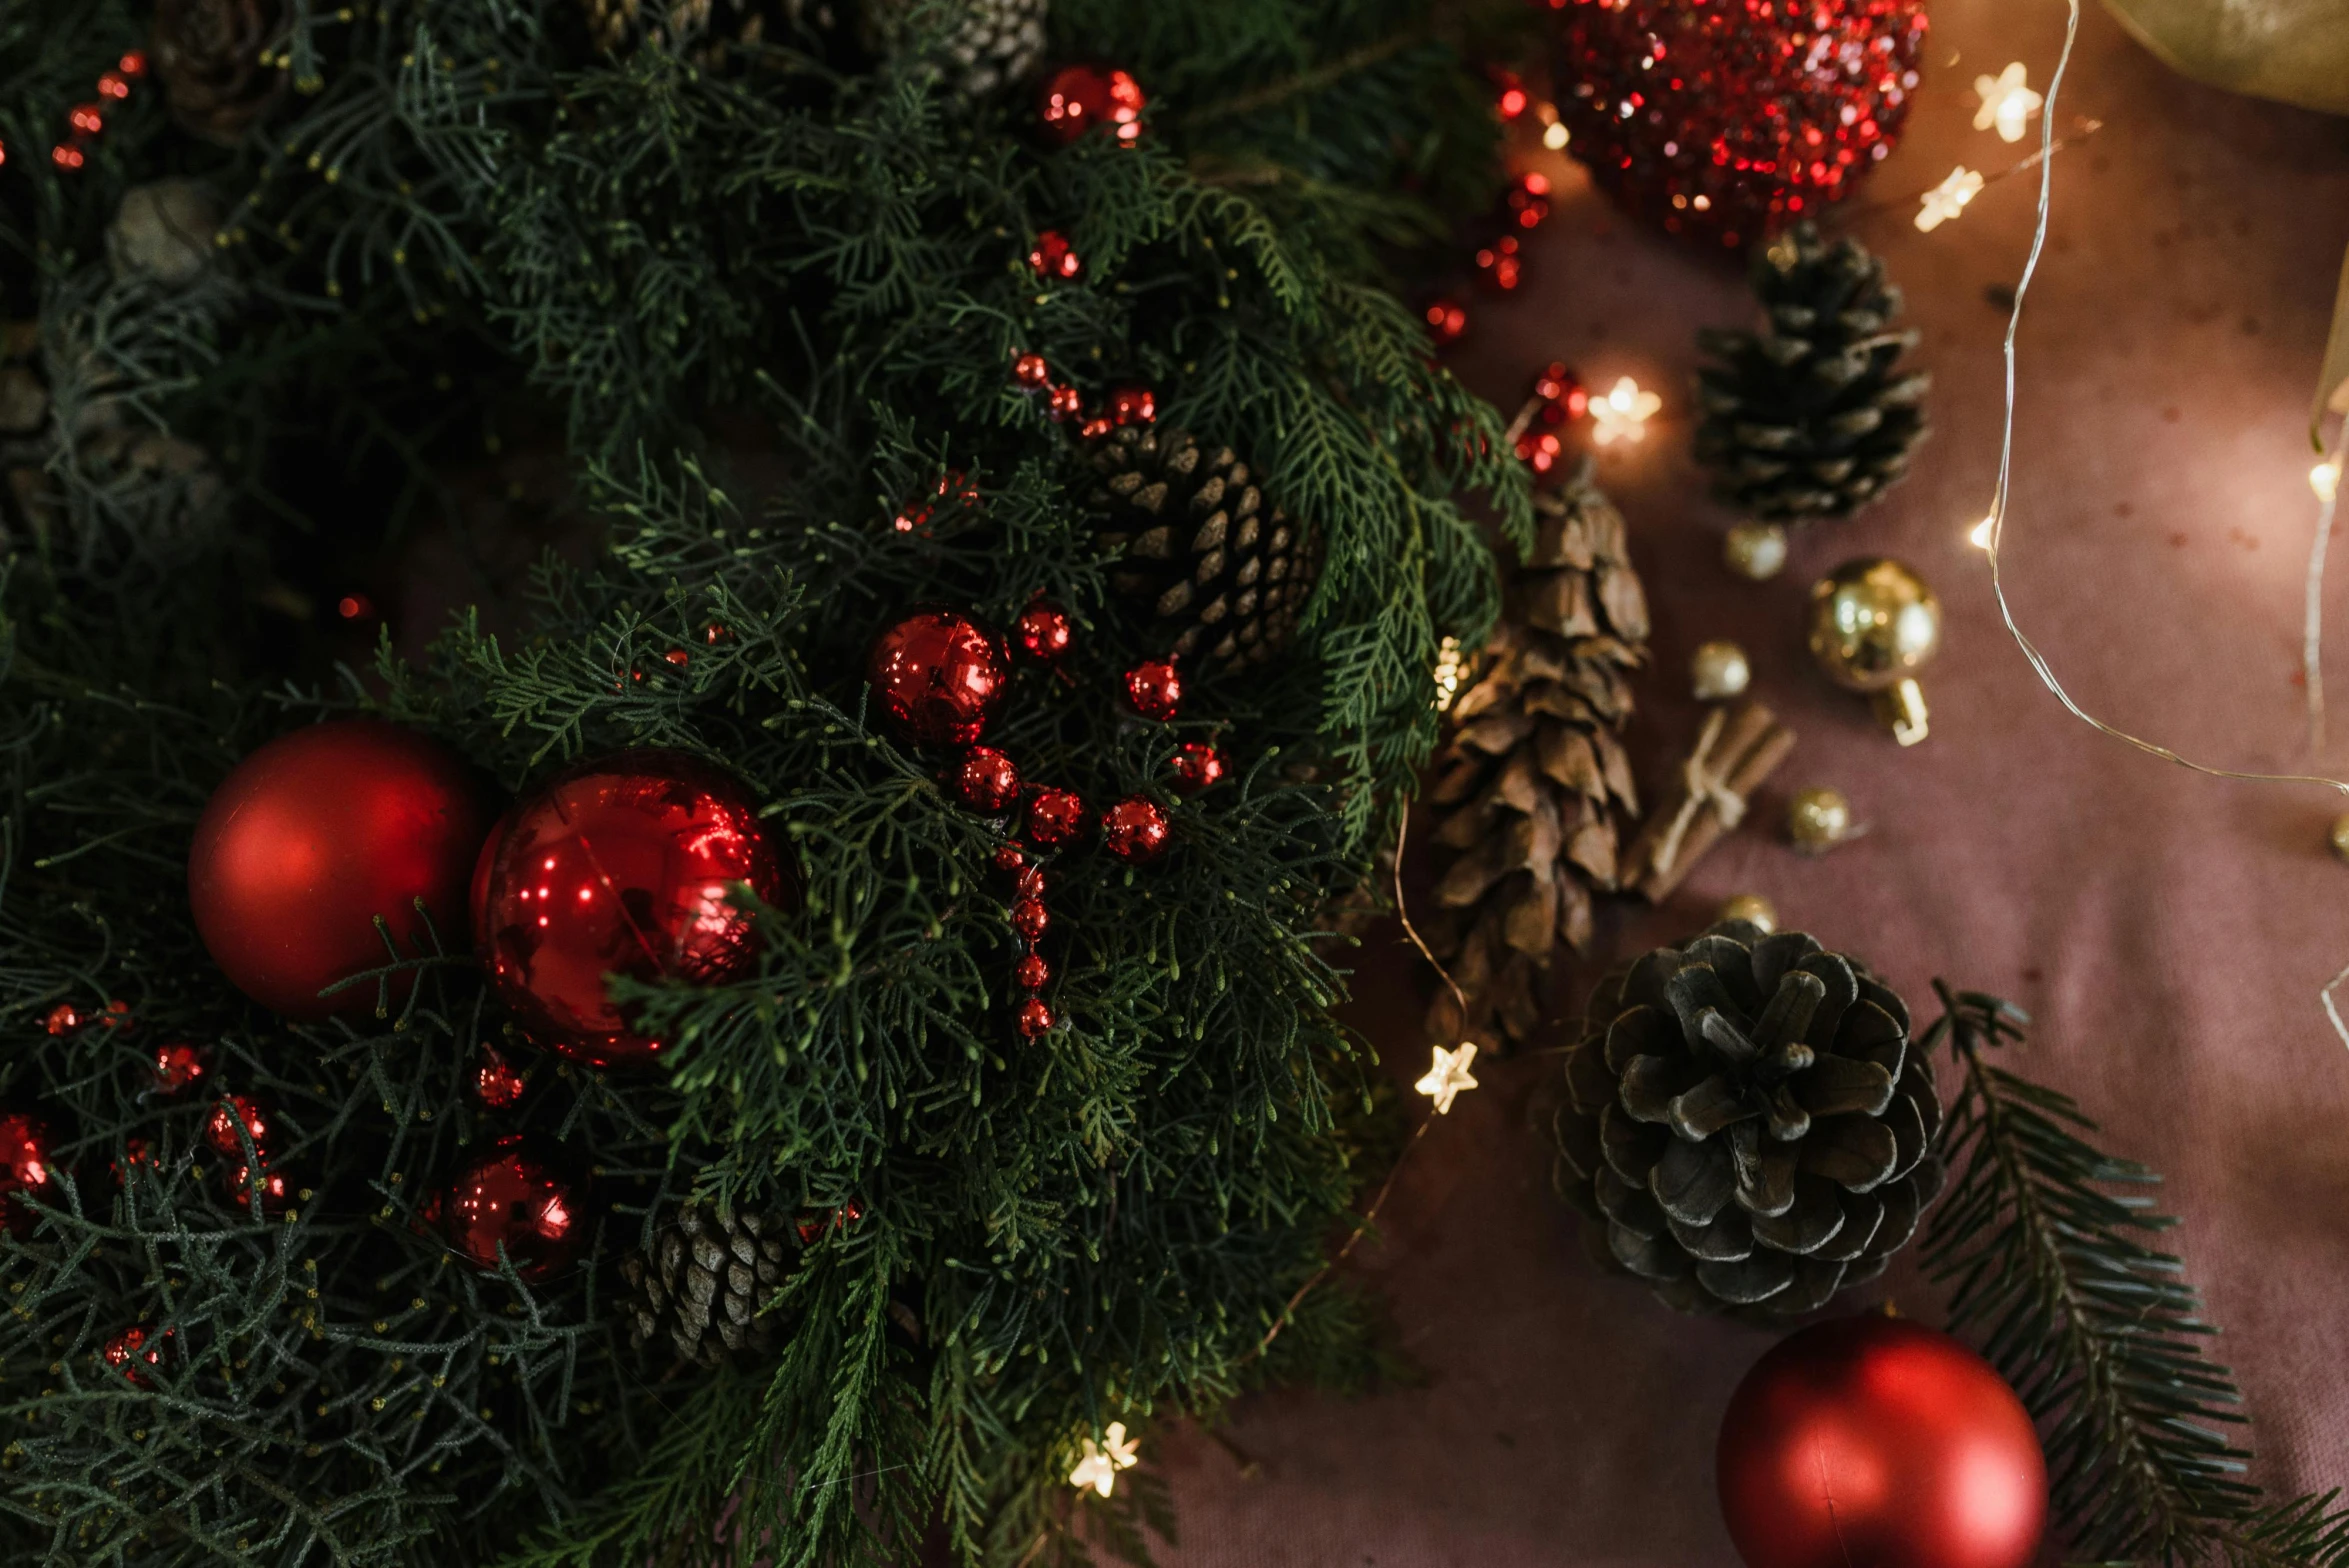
x,y
1874,624
1818,819
2340,836
1753,909
1718,671
1755,551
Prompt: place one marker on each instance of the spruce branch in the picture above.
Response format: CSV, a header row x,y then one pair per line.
x,y
2042,1238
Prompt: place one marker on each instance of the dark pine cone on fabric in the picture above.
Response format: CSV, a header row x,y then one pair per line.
x,y
703,1281
1223,573
1750,1122
209,57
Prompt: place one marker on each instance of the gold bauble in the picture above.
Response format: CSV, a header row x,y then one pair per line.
x,y
2340,836
1718,671
1818,819
1755,551
1873,624
1751,908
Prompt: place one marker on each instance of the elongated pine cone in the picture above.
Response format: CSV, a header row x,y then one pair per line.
x,y
1749,1124
1533,790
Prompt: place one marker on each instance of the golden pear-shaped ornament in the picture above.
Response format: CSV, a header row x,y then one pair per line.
x,y
1874,623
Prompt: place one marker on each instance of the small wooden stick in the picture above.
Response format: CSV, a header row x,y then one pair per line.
x,y
1735,753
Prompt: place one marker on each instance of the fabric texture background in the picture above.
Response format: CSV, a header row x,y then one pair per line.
x,y
2169,933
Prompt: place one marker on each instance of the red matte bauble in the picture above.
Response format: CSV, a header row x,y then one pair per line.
x,y
315,835
1727,121
1034,1018
1044,632
1055,817
1030,919
1196,766
1874,1440
1155,689
1081,97
517,1199
28,1171
621,866
939,676
1134,829
986,780
1031,973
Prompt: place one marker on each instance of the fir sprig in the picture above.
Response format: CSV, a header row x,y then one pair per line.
x,y
2044,1239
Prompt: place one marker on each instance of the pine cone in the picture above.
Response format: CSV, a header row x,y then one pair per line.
x,y
1808,418
992,44
208,55
1533,786
1224,574
703,1282
1750,1121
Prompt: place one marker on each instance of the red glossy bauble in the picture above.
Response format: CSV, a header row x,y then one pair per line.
x,y
222,1131
1196,766
1034,1018
1133,406
176,1065
1055,817
986,780
236,1179
1044,632
1055,258
311,838
1007,857
1875,1440
1134,829
516,1198
496,1083
1081,97
1031,973
1725,122
623,865
28,1171
939,676
1155,689
1030,919
129,1353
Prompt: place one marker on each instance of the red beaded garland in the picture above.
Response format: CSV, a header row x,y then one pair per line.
x,y
28,1170
1134,829
1031,973
1054,257
1045,632
623,865
1030,883
939,676
1877,1440
1133,406
1034,1018
1064,403
312,838
1196,766
1079,97
1008,857
517,1199
987,780
1031,371
1156,690
1725,121
1030,919
1055,817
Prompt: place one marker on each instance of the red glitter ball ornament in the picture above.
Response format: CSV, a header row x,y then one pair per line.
x,y
1031,371
1876,1440
514,1199
64,1018
129,1351
1156,690
1035,1019
1031,882
1045,632
939,676
1064,403
497,1082
1054,257
237,1180
1030,919
1133,406
28,1170
987,780
1055,817
1196,766
1008,857
312,838
620,866
1032,973
1079,97
1727,120
221,1129
1134,829
177,1065
813,1224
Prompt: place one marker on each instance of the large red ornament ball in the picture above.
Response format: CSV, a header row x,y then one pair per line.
x,y
517,1198
1875,1440
940,676
1081,97
620,866
312,837
28,1171
1727,120
987,780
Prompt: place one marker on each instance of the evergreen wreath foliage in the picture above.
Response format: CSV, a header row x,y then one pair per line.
x,y
755,298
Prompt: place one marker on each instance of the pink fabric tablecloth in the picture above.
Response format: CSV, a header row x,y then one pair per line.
x,y
2168,932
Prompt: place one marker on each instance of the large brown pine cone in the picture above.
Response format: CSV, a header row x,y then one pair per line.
x,y
208,54
704,1281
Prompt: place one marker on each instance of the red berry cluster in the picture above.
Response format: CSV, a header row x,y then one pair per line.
x,y
1080,98
1126,406
1558,399
1500,262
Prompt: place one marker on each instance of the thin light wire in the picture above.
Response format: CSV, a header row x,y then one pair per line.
x,y
2312,626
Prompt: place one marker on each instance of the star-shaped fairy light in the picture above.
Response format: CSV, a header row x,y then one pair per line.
x,y
1103,1460
1946,200
2007,102
1448,1076
1623,414
1451,667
